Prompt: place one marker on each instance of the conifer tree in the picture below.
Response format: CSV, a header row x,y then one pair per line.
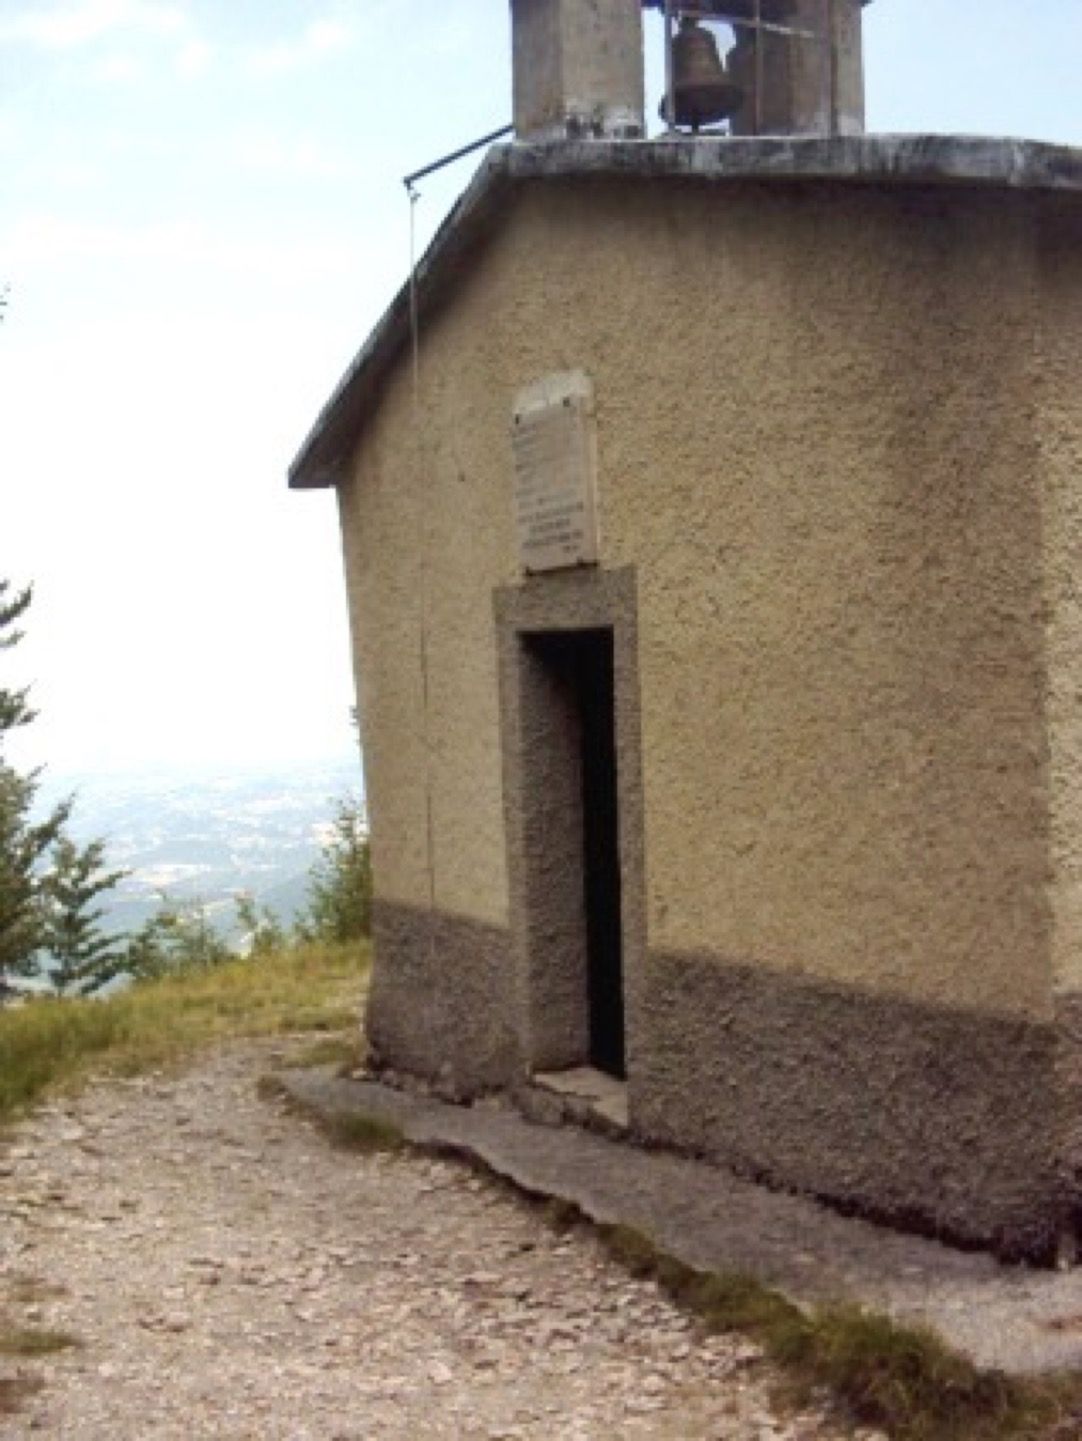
x,y
33,897
23,847
14,709
23,842
84,958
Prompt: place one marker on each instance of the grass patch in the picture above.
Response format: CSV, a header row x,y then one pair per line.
x,y
346,1051
271,1087
348,1130
29,1341
363,1134
559,1215
900,1379
48,1044
28,1290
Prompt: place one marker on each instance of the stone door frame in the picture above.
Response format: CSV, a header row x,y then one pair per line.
x,y
544,880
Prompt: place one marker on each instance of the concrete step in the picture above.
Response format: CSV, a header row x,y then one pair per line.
x,y
581,1096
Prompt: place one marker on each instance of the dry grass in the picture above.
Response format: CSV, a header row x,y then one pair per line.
x,y
901,1379
364,1134
348,1130
50,1044
345,1051
27,1343
23,1290
30,1341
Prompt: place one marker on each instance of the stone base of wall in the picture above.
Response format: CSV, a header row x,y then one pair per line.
x,y
941,1121
441,1000
946,1122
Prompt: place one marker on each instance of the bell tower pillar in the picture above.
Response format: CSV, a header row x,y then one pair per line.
x,y
799,87
578,69
847,49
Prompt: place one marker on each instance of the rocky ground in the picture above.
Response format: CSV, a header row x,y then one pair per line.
x,y
229,1274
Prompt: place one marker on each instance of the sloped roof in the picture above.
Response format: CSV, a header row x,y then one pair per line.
x,y
324,457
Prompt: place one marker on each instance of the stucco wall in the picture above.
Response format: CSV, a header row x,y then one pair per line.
x,y
1060,477
837,530
427,535
427,538
1060,433
838,433
818,449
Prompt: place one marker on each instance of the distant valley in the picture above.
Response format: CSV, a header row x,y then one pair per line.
x,y
210,835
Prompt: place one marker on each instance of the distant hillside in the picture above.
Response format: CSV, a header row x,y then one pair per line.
x,y
210,835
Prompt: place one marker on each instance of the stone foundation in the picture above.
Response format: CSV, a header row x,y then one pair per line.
x,y
941,1121
441,1002
947,1122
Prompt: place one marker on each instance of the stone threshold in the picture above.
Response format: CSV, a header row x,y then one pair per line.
x,y
580,1095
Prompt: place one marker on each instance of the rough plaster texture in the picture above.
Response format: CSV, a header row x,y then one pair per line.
x,y
924,1116
818,472
840,596
839,435
1059,300
442,1004
894,161
427,531
1058,293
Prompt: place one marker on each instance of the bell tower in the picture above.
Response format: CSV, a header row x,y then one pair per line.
x,y
752,67
578,69
796,67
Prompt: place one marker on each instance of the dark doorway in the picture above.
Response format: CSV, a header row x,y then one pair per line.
x,y
579,665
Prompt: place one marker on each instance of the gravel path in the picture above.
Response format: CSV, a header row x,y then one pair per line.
x,y
1014,1318
231,1275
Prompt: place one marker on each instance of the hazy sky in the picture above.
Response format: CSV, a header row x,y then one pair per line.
x,y
201,217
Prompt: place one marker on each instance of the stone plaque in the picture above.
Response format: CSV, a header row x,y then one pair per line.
x,y
555,449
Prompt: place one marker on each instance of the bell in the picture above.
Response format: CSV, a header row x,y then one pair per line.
x,y
702,89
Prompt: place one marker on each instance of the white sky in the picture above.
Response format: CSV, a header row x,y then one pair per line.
x,y
201,217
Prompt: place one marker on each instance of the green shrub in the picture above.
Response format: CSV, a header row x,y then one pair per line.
x,y
339,906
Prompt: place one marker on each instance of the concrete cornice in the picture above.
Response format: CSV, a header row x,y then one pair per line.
x,y
882,160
